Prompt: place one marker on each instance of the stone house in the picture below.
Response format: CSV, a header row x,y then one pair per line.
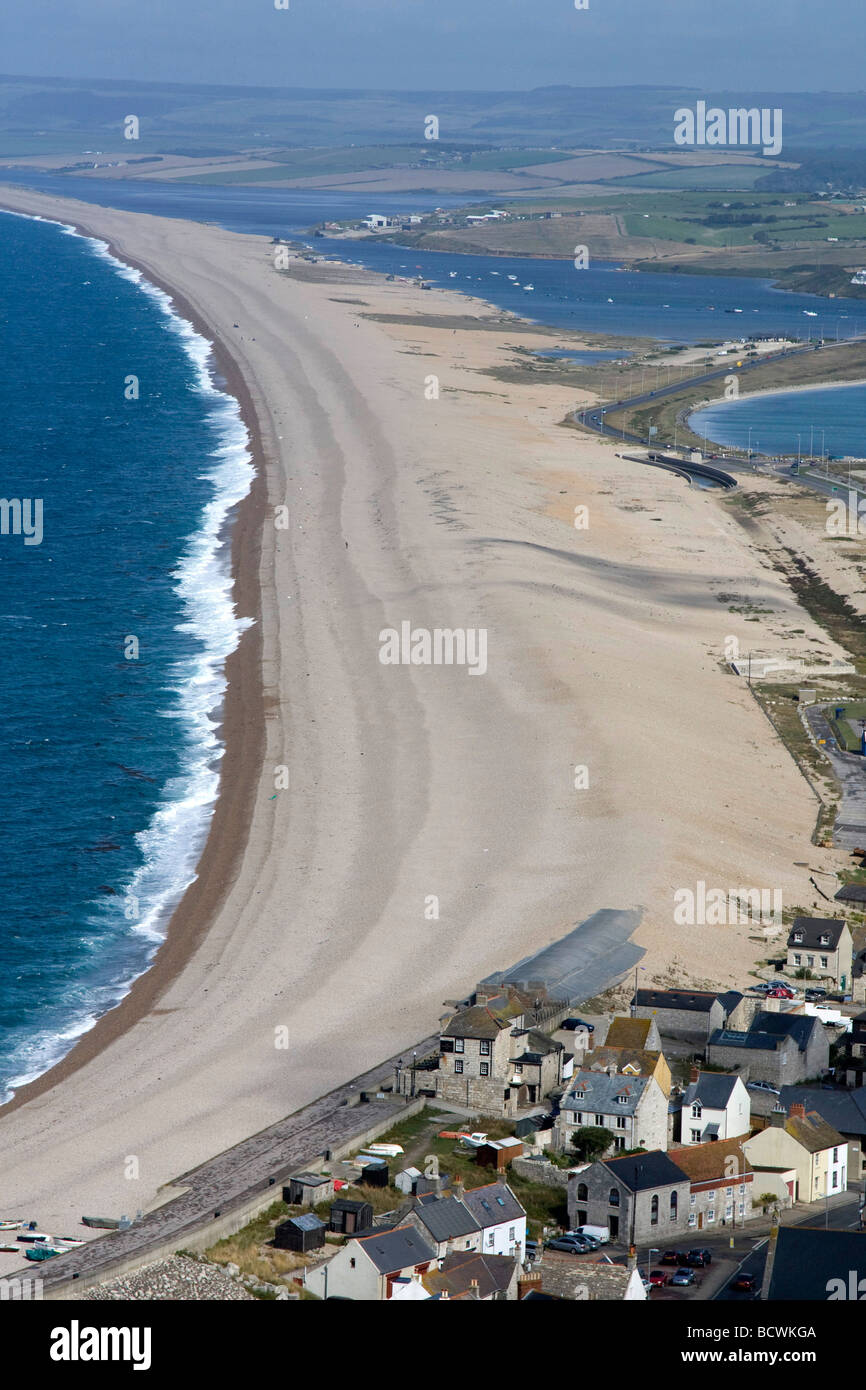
x,y
639,1033
488,1219
823,946
633,1108
721,1183
690,1015
366,1269
714,1106
631,1061
489,1061
642,1198
807,1155
782,1048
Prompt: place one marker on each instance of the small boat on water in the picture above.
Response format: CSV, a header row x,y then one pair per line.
x,y
529,287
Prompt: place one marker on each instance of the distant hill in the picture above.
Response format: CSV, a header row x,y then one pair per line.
x,y
49,115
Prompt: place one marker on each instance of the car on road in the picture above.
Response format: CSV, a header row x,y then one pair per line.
x,y
763,1086
673,1257
682,1278
743,1283
570,1245
658,1278
584,1237
571,1025
698,1259
530,1249
813,995
780,992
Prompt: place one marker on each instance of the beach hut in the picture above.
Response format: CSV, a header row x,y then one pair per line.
x,y
498,1153
407,1181
374,1173
301,1233
348,1216
308,1190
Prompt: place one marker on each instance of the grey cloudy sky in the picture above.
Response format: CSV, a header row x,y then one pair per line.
x,y
417,44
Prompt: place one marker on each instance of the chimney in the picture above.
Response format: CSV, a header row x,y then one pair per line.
x,y
526,1283
694,1074
797,1112
612,1069
457,1189
777,1119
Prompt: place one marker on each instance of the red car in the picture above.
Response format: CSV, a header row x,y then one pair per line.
x,y
780,992
744,1283
658,1278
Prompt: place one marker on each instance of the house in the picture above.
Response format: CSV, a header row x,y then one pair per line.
x,y
811,1265
721,1183
367,1267
633,1108
588,1281
631,1061
642,1198
689,1015
823,946
781,1048
800,1156
844,1111
473,1275
850,1066
490,1062
488,1219
640,1033
714,1106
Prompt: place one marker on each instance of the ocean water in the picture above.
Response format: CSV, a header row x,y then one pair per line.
x,y
109,760
826,419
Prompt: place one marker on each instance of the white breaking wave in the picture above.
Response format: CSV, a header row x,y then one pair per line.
x,y
172,843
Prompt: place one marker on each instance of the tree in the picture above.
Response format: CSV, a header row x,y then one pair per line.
x,y
591,1141
767,1199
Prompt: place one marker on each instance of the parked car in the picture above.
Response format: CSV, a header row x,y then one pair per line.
x,y
683,1277
600,1234
530,1249
658,1278
762,987
780,992
571,1245
673,1257
698,1259
763,1086
813,995
572,1025
743,1283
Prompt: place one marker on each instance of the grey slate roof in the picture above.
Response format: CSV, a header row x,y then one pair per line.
x,y
851,893
492,1204
691,1000
308,1221
602,1093
712,1089
641,1172
813,928
445,1217
399,1249
768,1031
806,1260
844,1110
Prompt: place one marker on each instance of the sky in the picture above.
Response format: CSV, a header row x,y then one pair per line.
x,y
413,45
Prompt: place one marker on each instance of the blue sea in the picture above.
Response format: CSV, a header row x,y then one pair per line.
x,y
114,628
115,623
829,420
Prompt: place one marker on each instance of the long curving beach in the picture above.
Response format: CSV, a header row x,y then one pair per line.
x,y
605,650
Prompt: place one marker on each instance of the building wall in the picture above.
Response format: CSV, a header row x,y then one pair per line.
x,y
339,1278
839,962
508,1238
727,1203
599,1209
774,1148
684,1024
646,1128
732,1121
783,1067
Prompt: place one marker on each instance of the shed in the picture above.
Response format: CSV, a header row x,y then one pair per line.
x,y
498,1153
348,1216
407,1181
301,1233
308,1190
374,1173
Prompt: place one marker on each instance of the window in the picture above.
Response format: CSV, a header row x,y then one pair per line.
x,y
619,1143
352,1262
824,962
579,1117
798,936
693,1199
693,1220
696,1111
599,1120
491,1238
810,960
711,1214
458,1068
696,1136
798,959
823,939
742,1189
621,1121
654,1210
511,1230
485,1068
582,1192
742,1208
711,1196
729,1193
835,1155
613,1197
622,1100
459,1045
485,1047
674,1205
447,1045
579,1095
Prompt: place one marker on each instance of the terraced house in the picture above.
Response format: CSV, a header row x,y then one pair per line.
x,y
721,1183
633,1108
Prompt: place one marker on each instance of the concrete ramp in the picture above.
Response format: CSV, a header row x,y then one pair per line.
x,y
591,958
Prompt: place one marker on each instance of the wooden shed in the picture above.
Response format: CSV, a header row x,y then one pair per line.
x,y
301,1233
498,1153
375,1173
348,1216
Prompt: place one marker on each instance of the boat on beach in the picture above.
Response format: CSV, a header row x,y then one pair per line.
x,y
10,1225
